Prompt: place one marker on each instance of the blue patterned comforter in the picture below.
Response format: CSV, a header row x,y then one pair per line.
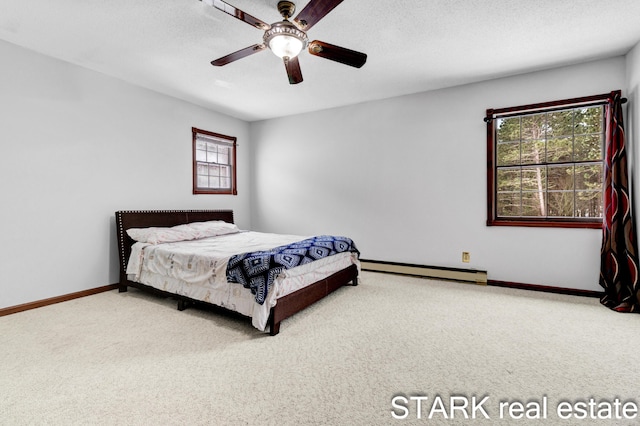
x,y
258,270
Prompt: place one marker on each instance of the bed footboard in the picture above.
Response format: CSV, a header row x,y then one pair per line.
x,y
300,299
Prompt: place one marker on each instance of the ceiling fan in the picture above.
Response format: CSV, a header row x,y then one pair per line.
x,y
287,39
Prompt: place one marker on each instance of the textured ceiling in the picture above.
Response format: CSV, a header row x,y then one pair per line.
x,y
412,45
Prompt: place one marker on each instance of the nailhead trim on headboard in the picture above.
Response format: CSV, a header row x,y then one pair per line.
x,y
121,236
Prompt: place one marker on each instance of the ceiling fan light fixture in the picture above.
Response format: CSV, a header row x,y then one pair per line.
x,y
285,39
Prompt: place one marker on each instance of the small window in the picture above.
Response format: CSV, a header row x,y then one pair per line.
x,y
545,163
214,163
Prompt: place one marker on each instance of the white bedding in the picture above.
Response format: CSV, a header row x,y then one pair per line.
x,y
197,269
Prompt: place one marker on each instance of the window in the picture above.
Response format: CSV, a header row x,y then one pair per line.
x,y
545,163
214,163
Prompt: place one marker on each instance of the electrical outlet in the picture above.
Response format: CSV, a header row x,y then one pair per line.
x,y
466,257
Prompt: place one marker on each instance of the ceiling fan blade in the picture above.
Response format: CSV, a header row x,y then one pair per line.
x,y
337,53
242,53
293,70
314,11
237,13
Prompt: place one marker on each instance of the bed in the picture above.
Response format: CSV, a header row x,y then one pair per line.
x,y
292,291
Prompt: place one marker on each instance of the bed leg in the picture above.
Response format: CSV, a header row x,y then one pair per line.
x,y
354,282
274,329
183,304
122,288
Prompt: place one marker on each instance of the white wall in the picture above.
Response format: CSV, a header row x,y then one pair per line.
x,y
406,179
75,146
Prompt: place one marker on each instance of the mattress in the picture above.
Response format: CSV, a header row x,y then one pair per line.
x,y
197,269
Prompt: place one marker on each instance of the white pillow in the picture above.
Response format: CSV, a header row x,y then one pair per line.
x,y
212,228
187,232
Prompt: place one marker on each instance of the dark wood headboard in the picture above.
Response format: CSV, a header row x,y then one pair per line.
x,y
126,219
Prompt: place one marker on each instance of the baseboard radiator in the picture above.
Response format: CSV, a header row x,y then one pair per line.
x,y
436,272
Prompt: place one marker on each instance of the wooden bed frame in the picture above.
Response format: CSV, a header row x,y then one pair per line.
x,y
286,306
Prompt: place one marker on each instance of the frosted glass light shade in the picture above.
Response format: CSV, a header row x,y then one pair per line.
x,y
285,39
285,46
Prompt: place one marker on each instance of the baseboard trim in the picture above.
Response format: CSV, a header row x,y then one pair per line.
x,y
426,271
437,272
53,300
465,275
546,288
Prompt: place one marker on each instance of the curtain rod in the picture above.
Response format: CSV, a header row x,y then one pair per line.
x,y
490,117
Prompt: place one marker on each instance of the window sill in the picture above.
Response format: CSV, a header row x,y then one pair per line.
x,y
211,192
548,223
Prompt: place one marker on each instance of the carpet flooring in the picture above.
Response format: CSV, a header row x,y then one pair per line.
x,y
393,350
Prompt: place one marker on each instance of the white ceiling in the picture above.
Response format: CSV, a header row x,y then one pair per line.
x,y
412,45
